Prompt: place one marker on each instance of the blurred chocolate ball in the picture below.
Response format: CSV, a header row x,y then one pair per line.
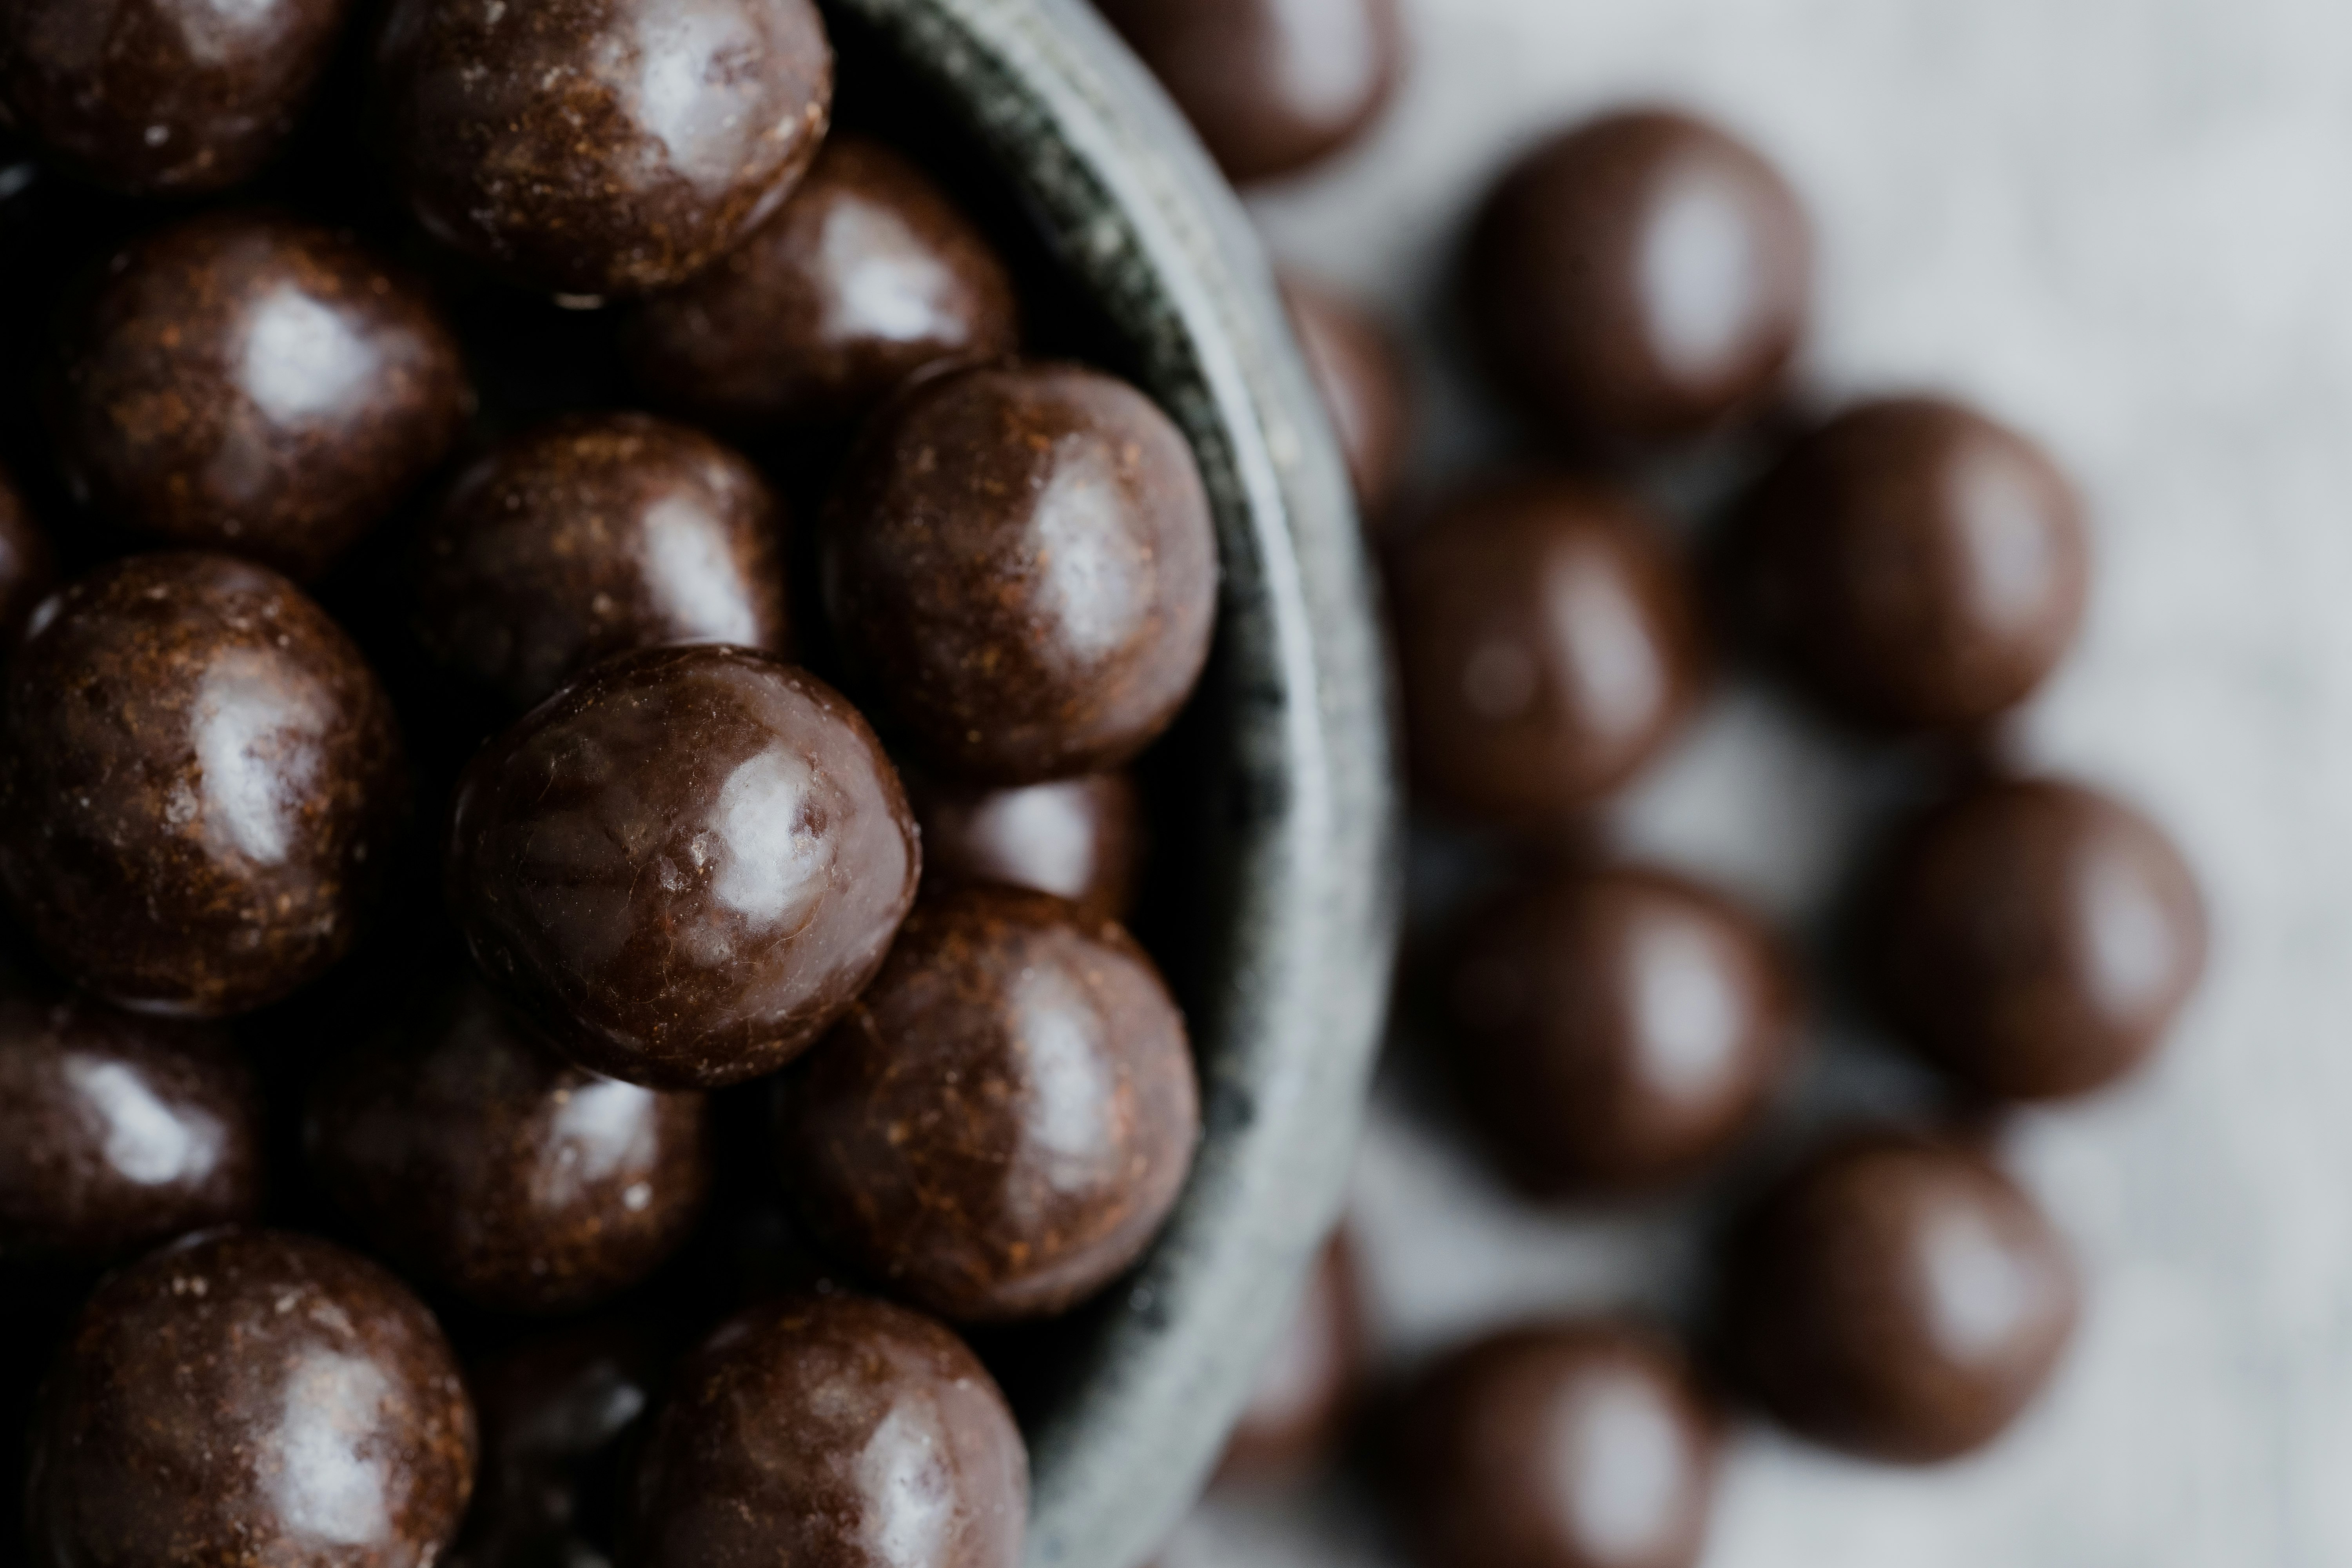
x,y
1360,373
1307,1390
1080,839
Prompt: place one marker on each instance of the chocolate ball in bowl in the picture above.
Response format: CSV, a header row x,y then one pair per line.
x,y
1080,839
27,565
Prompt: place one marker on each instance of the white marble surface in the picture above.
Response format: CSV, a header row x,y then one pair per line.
x,y
2127,224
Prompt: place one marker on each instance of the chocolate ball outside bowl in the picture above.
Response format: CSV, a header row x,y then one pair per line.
x,y
1080,839
1360,372
1307,1389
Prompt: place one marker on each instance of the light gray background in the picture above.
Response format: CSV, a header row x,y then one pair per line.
x,y
2127,224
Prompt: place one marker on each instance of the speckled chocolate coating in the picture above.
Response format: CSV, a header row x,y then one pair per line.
x,y
684,865
1307,1389
1639,279
164,97
27,565
200,783
618,146
1361,375
1915,564
1080,839
1271,85
1019,560
482,1162
918,1140
1896,1297
2037,938
832,1432
247,382
1549,647
592,535
869,274
251,1397
1617,1029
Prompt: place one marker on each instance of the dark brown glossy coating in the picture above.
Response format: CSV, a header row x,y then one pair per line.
x,y
592,535
1896,1297
481,1162
1576,1445
200,785
869,274
618,146
29,567
1080,839
1639,279
1307,1389
833,1432
2036,939
1549,647
1019,559
163,97
685,865
999,1126
1915,564
1360,372
1616,1030
1271,85
251,1397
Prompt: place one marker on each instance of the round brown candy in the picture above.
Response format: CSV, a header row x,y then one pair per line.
x,y
1915,564
1080,839
483,1164
1019,559
173,98
1579,1444
27,565
1358,370
2036,939
1549,647
685,865
1639,279
1271,85
999,1126
618,146
866,274
1897,1298
1307,1390
592,535
836,1432
251,1396
200,785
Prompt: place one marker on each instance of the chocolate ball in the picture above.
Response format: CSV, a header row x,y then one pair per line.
x,y
1307,1390
592,535
1080,839
1574,1445
1549,647
481,1162
1897,1298
163,97
1360,373
685,865
1000,1124
1914,564
1616,1030
28,568
251,1396
601,147
834,1432
1019,560
866,274
200,785
1271,85
2036,939
1639,279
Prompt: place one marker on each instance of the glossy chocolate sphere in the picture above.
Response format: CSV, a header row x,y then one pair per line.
x,y
1896,1297
592,535
200,784
2036,939
869,274
251,1396
247,382
161,97
1639,279
1019,560
685,865
616,146
1271,85
1915,564
482,1162
1360,372
1080,839
1556,1445
1549,648
999,1126
1307,1390
29,566
832,1432
1615,1030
